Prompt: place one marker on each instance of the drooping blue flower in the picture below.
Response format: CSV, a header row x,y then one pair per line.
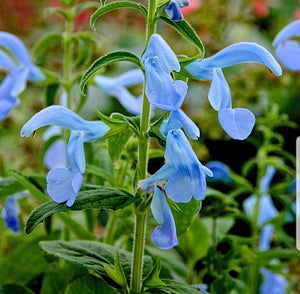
x,y
64,183
163,236
10,213
221,172
18,72
288,51
185,173
116,87
159,61
173,9
272,283
237,122
177,120
267,210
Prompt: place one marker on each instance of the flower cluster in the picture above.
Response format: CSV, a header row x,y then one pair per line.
x,y
63,183
172,9
19,70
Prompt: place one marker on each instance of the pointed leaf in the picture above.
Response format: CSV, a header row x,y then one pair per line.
x,y
59,11
85,5
153,280
9,186
84,52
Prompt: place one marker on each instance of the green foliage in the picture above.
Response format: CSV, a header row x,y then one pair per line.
x,y
93,254
105,60
14,289
84,6
94,197
116,5
152,279
9,186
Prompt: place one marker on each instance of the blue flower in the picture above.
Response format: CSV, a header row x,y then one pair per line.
x,y
163,236
19,71
185,173
266,212
159,61
64,183
10,213
272,283
177,120
237,122
173,9
116,87
288,51
221,172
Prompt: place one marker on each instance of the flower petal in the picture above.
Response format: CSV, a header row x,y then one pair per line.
x,y
288,53
219,94
220,171
6,62
19,77
267,179
75,152
234,54
173,11
178,119
159,48
63,185
55,157
291,30
64,117
267,210
10,213
266,237
163,236
273,283
15,45
237,123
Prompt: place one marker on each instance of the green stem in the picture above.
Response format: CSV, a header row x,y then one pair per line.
x,y
110,228
89,220
140,216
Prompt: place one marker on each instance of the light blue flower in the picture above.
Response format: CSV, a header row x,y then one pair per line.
x,y
18,72
173,9
288,51
10,213
267,210
163,236
272,283
185,173
64,183
116,87
237,122
221,172
159,61
177,120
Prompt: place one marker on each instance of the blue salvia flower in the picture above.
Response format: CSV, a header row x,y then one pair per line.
x,y
172,9
272,283
221,172
177,120
288,51
185,174
163,236
237,122
159,61
19,71
116,87
267,210
64,183
10,213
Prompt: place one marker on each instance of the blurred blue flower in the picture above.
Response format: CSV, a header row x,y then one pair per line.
x,y
221,172
288,51
237,122
177,120
18,72
173,9
272,283
187,176
163,236
116,87
64,183
159,61
10,213
266,212
202,287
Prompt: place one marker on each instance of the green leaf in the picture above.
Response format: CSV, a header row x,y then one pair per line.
x,y
186,214
105,60
116,5
49,40
98,171
85,5
186,30
263,258
50,94
93,198
155,133
30,185
117,274
222,226
92,255
9,186
153,280
84,52
14,289
90,285
62,13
